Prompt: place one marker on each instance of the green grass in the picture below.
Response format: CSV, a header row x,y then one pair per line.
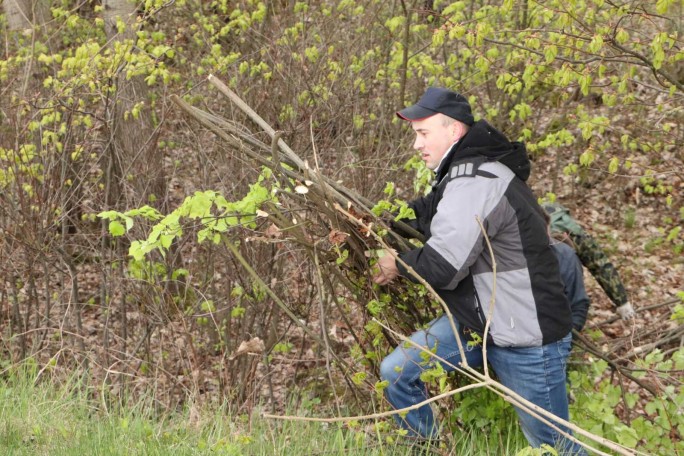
x,y
46,419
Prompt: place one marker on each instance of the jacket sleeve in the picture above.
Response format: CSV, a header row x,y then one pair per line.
x,y
562,221
456,240
594,258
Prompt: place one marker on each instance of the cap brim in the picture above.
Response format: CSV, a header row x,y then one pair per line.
x,y
415,112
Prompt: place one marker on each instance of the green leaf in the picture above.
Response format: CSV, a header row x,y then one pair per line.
x,y
109,215
673,234
381,206
166,240
550,53
439,37
585,83
596,43
180,272
405,212
587,158
613,165
208,306
663,5
621,37
129,223
136,250
343,257
146,211
380,386
202,235
200,204
359,377
237,311
116,229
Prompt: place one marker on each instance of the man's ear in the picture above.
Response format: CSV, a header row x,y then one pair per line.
x,y
457,130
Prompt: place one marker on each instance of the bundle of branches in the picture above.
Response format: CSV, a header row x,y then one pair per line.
x,y
335,227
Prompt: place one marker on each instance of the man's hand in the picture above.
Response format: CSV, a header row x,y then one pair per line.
x,y
626,311
387,267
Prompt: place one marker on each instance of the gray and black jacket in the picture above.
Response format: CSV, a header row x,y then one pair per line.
x,y
482,177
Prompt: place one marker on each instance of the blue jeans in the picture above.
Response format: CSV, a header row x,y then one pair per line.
x,y
535,373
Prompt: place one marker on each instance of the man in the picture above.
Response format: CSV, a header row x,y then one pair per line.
x,y
592,257
480,175
573,281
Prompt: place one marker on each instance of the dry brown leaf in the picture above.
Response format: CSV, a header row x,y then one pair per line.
x,y
337,237
273,232
254,345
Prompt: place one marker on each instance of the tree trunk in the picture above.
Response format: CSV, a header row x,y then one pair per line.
x,y
18,13
135,155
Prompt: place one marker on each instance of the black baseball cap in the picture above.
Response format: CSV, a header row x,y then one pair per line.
x,y
439,100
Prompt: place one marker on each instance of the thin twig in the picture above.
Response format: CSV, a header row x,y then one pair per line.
x,y
492,299
345,419
324,328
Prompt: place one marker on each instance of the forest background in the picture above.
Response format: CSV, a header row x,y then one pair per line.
x,y
157,240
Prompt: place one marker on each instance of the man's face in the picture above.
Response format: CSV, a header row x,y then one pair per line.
x,y
434,136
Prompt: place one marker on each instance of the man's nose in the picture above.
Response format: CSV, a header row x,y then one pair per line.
x,y
418,144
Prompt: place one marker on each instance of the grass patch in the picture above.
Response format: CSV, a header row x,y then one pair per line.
x,y
69,419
